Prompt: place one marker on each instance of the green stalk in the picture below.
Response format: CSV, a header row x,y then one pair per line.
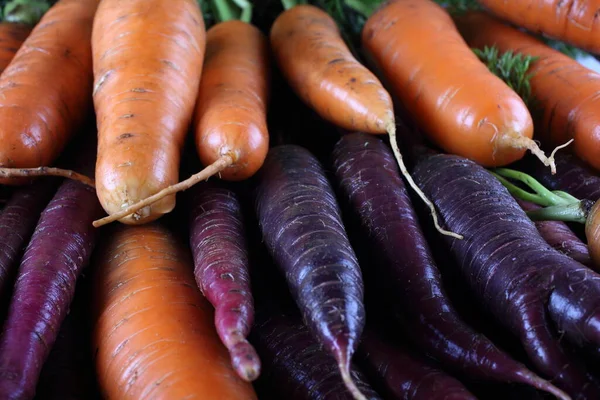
x,y
547,197
574,212
246,7
223,10
287,4
361,7
521,193
24,11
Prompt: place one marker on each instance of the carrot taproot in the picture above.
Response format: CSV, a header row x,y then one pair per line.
x,y
575,21
564,92
40,109
460,104
153,333
147,60
319,66
230,119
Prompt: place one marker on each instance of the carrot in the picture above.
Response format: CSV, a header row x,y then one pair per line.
x,y
319,66
12,36
563,92
40,108
230,120
460,104
574,22
153,334
147,59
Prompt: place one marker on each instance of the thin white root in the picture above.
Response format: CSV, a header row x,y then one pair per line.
x,y
206,173
12,173
349,382
562,146
523,142
391,129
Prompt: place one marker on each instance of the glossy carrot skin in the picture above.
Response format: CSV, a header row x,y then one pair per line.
x,y
565,91
144,98
573,21
12,37
316,62
41,109
458,102
231,110
153,334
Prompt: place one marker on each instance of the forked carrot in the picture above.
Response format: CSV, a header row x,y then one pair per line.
x,y
230,122
147,58
154,336
45,92
458,102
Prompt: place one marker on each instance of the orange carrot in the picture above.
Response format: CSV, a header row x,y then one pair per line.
x,y
320,67
12,37
147,58
459,103
230,121
575,21
154,335
45,92
564,92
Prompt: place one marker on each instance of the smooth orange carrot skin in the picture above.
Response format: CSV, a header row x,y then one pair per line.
x,y
567,93
316,62
148,58
592,232
45,92
573,21
231,110
154,335
461,105
12,37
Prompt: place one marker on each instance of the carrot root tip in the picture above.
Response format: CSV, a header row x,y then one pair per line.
x,y
349,382
13,173
391,129
245,361
523,142
529,378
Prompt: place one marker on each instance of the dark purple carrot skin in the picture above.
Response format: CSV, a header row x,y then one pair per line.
x,y
218,242
17,222
558,235
399,375
59,249
302,229
295,365
511,269
368,177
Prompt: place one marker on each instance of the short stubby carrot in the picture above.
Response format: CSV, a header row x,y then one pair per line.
x,y
153,335
565,93
460,104
45,92
573,21
147,58
12,37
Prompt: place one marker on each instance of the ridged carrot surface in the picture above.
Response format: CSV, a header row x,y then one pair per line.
x,y
12,37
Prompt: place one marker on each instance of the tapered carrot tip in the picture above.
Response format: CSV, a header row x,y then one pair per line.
x,y
529,378
17,173
349,382
245,361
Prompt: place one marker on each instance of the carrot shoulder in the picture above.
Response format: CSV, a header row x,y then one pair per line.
x,y
565,92
147,64
461,105
45,92
154,335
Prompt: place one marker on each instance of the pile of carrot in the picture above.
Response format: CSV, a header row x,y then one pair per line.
x,y
345,199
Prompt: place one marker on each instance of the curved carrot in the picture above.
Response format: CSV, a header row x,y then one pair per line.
x,y
154,335
147,64
575,22
564,91
12,36
321,69
461,105
45,91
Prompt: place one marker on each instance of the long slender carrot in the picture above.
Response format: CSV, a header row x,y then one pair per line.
x,y
564,93
321,69
230,122
572,21
45,91
147,58
154,336
459,103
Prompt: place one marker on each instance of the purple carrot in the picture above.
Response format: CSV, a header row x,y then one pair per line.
x,y
368,177
221,269
509,266
399,375
17,222
302,228
59,249
558,235
296,367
